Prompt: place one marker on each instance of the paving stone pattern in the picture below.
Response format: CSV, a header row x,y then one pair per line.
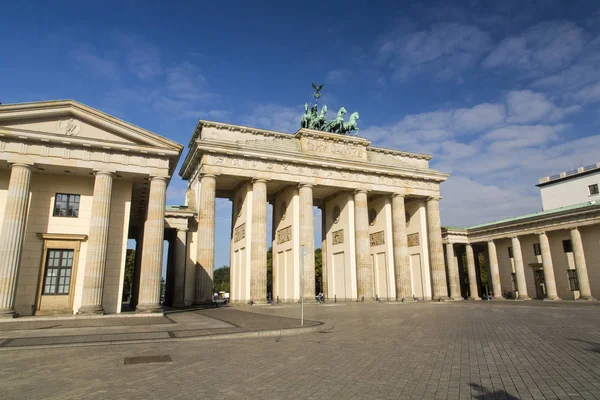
x,y
482,350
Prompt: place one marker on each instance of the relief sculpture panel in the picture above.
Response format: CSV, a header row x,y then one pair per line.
x,y
377,238
239,233
337,237
413,239
284,235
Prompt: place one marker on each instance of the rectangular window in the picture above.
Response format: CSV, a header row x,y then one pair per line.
x,y
536,249
59,264
510,253
66,205
593,189
567,246
573,281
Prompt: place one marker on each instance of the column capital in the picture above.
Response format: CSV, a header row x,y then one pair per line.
x,y
264,180
512,237
156,178
105,172
29,166
182,229
434,198
399,195
574,228
540,233
361,191
302,184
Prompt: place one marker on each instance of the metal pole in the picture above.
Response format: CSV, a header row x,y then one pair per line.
x,y
303,253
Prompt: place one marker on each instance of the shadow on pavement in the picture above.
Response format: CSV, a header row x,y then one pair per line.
x,y
484,393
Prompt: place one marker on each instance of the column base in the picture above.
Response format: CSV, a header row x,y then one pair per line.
x,y
498,298
456,299
90,310
148,308
525,297
441,298
552,298
7,313
586,298
474,298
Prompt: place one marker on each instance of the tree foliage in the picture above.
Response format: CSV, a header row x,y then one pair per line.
x,y
128,278
318,271
221,279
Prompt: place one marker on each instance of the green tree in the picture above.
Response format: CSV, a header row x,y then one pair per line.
x,y
318,271
270,271
128,279
221,279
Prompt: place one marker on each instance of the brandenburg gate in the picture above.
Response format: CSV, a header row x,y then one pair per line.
x,y
380,215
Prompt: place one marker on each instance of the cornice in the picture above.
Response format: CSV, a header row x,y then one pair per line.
x,y
233,149
399,153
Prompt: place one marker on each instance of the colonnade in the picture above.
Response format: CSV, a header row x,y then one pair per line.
x,y
519,268
364,268
13,230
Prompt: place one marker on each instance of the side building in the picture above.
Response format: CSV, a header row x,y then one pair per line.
x,y
75,185
552,254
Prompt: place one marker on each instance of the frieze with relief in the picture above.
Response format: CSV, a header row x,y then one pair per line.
x,y
320,172
337,149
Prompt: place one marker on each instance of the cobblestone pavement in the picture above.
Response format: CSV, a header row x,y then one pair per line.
x,y
482,350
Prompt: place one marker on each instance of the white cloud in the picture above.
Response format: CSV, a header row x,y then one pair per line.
x,y
100,66
185,81
142,58
338,76
525,106
547,46
274,117
446,48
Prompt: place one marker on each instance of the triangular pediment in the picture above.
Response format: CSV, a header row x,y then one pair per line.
x,y
70,119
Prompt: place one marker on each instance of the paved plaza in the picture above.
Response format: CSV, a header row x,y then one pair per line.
x,y
451,350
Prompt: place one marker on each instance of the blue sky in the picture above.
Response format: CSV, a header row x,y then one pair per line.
x,y
500,93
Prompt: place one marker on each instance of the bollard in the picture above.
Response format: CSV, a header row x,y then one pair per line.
x,y
362,299
335,298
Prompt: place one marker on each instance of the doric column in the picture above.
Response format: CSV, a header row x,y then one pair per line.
x,y
453,278
11,236
324,251
152,247
205,247
585,293
494,271
364,269
180,267
473,292
400,242
307,238
549,281
258,253
436,249
93,279
519,269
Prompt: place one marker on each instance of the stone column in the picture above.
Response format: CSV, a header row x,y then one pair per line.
x,y
258,253
585,292
364,269
473,292
180,267
307,238
453,273
494,271
324,252
436,249
400,243
205,247
152,247
11,236
93,279
549,281
519,269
